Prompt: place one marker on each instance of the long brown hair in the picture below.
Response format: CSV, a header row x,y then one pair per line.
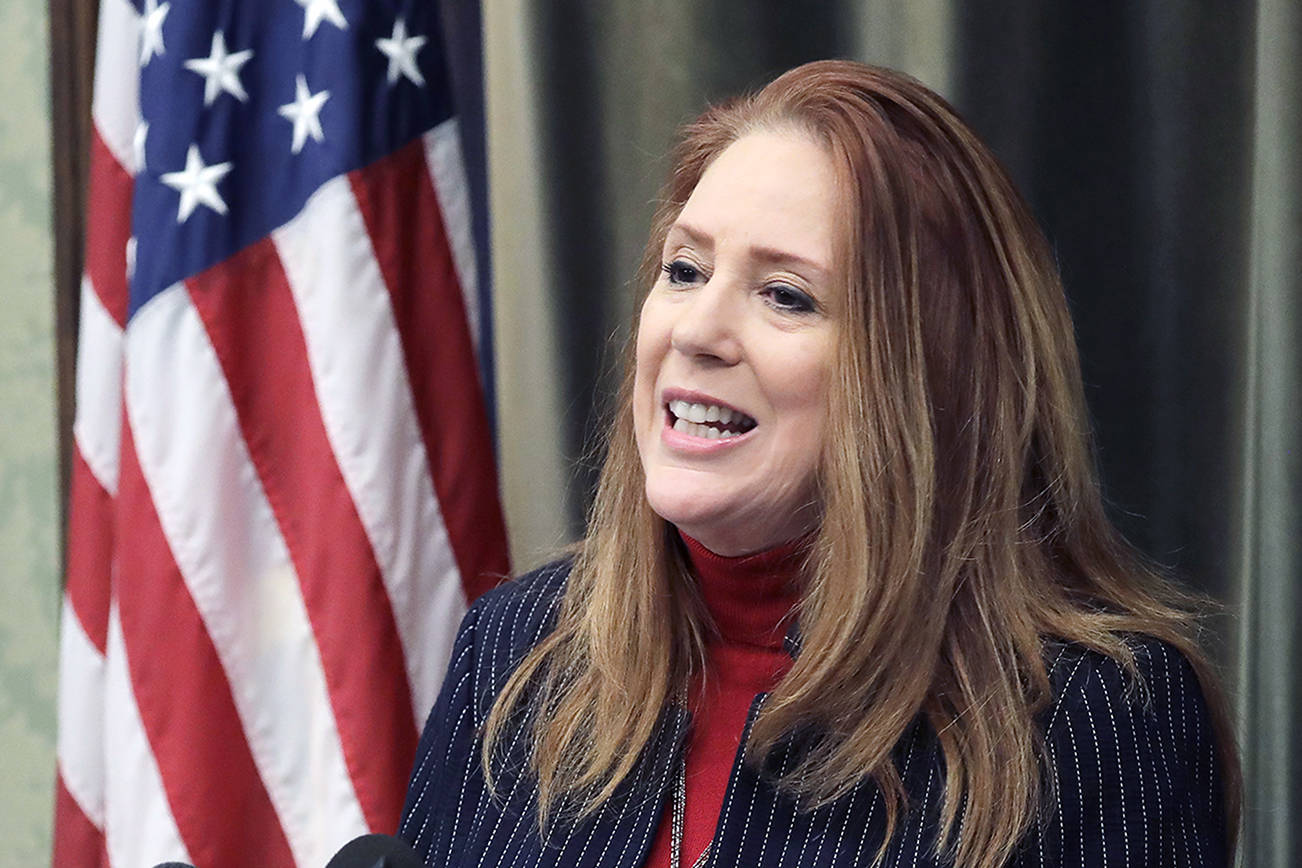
x,y
962,523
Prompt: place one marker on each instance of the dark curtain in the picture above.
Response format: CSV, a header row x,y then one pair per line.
x,y
1158,144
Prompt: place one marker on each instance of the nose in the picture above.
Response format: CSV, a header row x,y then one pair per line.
x,y
706,327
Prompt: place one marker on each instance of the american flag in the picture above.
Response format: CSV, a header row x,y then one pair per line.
x,y
283,492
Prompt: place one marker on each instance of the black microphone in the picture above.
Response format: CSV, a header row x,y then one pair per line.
x,y
173,865
376,851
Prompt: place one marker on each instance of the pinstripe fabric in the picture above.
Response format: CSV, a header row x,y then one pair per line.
x,y
1132,776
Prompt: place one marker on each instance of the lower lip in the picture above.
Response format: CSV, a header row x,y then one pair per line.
x,y
681,442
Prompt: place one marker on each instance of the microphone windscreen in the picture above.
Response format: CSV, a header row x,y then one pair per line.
x,y
376,851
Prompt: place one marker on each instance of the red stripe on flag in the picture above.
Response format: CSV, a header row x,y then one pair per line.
x,y
398,202
78,843
108,227
248,310
220,805
90,550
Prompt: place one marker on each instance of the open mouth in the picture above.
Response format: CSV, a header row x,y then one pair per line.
x,y
709,421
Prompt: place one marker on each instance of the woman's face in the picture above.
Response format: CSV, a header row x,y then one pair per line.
x,y
735,347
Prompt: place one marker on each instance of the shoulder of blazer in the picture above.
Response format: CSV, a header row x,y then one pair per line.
x,y
446,796
1163,682
507,622
1133,765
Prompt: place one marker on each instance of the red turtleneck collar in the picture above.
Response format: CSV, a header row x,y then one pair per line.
x,y
750,599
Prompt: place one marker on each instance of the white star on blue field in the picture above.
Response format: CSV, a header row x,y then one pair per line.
x,y
248,106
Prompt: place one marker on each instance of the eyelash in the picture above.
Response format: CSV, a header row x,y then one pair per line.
x,y
780,296
675,272
796,301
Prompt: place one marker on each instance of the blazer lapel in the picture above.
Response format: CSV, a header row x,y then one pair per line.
x,y
617,836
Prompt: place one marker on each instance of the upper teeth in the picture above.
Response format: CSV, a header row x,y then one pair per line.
x,y
699,413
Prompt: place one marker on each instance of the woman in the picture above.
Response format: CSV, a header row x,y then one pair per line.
x,y
848,595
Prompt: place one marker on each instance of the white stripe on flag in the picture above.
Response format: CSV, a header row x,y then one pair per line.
x,y
98,426
116,103
139,827
360,377
448,171
81,716
237,568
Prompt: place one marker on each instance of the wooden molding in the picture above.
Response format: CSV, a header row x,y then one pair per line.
x,y
72,65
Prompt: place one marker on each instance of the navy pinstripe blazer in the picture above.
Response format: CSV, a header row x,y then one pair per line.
x,y
1132,782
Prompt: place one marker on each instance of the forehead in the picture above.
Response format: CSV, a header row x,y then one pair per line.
x,y
772,189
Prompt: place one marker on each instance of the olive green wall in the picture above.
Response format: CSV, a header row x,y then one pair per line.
x,y
29,518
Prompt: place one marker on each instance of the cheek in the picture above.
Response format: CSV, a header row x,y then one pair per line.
x,y
801,379
646,368
802,387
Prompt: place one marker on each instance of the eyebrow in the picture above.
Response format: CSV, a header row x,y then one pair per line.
x,y
771,255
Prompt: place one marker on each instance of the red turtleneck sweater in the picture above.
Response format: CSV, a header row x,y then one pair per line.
x,y
748,597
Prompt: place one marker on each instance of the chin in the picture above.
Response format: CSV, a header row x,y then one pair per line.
x,y
682,511
728,522
713,525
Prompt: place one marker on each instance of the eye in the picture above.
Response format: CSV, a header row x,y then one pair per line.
x,y
789,299
681,273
